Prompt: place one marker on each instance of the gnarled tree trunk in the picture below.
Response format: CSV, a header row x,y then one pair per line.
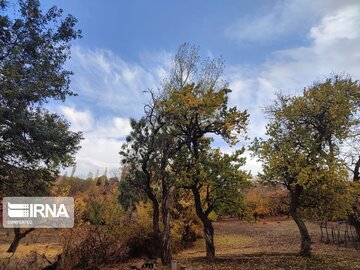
x,y
17,237
209,240
207,224
154,201
156,219
305,236
166,253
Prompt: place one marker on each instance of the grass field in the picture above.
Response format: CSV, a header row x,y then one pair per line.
x,y
272,244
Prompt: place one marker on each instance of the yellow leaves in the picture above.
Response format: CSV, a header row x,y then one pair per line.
x,y
79,208
192,101
60,190
143,213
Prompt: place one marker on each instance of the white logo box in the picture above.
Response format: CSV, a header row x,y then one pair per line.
x,y
38,212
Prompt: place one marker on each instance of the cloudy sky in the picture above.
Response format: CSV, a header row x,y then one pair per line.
x,y
268,46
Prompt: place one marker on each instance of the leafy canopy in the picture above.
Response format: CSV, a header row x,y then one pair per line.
x,y
303,147
34,46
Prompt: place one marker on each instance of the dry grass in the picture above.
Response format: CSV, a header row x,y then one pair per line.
x,y
273,244
34,256
33,252
239,245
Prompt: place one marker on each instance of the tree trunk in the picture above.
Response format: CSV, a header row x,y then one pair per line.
x,y
156,218
354,218
154,201
166,254
18,235
354,221
15,242
209,240
305,237
207,224
203,215
357,170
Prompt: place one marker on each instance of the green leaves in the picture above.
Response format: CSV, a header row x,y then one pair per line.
x,y
204,111
33,49
303,148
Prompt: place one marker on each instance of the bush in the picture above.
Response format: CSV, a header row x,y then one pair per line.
x,y
100,233
89,246
140,240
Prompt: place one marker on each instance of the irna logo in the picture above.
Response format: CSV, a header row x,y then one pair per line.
x,y
38,212
22,210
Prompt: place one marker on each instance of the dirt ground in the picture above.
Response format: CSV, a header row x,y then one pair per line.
x,y
268,244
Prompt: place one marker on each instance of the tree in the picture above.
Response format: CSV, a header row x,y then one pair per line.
x,y
302,149
159,139
147,152
351,159
137,154
34,142
195,107
219,185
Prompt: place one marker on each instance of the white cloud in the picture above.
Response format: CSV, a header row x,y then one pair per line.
x,y
98,154
110,91
80,120
333,48
110,128
343,25
112,83
252,165
103,138
284,17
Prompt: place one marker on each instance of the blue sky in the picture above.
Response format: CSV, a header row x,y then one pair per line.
x,y
268,46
